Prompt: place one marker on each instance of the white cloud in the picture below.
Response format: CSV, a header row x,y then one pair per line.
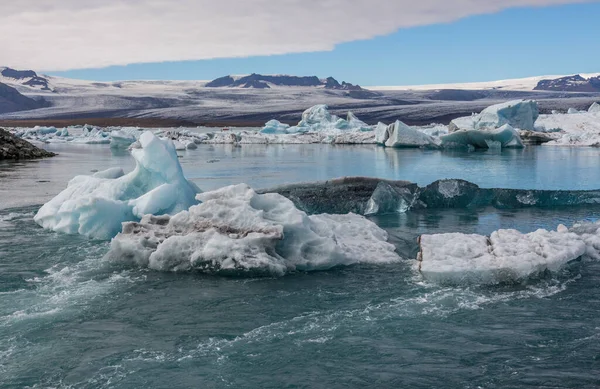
x,y
72,34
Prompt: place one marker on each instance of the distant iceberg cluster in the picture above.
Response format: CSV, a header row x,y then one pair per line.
x,y
507,125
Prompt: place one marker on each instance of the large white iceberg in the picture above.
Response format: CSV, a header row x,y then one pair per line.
x,y
399,134
95,206
505,256
520,114
503,137
235,229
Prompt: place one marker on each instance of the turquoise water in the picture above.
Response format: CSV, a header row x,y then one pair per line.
x,y
68,319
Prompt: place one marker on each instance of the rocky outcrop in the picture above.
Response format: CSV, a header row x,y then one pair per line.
x,y
12,147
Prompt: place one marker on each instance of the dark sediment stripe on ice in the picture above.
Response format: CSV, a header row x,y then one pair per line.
x,y
363,195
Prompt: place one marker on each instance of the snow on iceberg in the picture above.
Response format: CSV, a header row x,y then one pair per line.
x,y
582,129
234,229
505,256
95,206
399,134
504,137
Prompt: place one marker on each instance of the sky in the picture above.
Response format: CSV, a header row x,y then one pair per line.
x,y
369,42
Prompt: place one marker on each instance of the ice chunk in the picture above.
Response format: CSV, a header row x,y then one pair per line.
x,y
389,199
463,123
275,127
319,119
95,206
123,138
401,135
573,111
520,114
505,136
235,229
381,133
506,256
594,108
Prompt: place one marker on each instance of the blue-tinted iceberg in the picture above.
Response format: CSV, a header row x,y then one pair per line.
x,y
275,127
234,229
318,119
95,206
123,137
503,137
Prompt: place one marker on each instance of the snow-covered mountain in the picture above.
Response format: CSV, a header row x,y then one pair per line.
x,y
249,100
260,81
516,84
576,83
27,78
13,101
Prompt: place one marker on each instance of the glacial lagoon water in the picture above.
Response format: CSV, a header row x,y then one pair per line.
x,y
70,320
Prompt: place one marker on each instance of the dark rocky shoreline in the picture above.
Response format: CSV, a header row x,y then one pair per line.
x,y
12,147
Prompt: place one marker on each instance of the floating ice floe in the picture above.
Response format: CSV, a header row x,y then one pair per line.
x,y
503,137
95,206
400,135
506,255
234,229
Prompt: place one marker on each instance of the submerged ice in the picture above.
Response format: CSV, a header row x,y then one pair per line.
x,y
95,206
235,229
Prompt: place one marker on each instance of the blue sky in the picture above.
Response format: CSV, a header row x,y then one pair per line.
x,y
512,43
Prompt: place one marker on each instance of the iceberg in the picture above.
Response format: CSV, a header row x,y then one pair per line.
x,y
234,229
505,137
124,137
505,256
594,108
95,206
399,135
318,119
275,127
520,114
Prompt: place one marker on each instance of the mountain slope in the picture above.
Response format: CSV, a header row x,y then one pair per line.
x,y
24,77
259,81
575,83
13,101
